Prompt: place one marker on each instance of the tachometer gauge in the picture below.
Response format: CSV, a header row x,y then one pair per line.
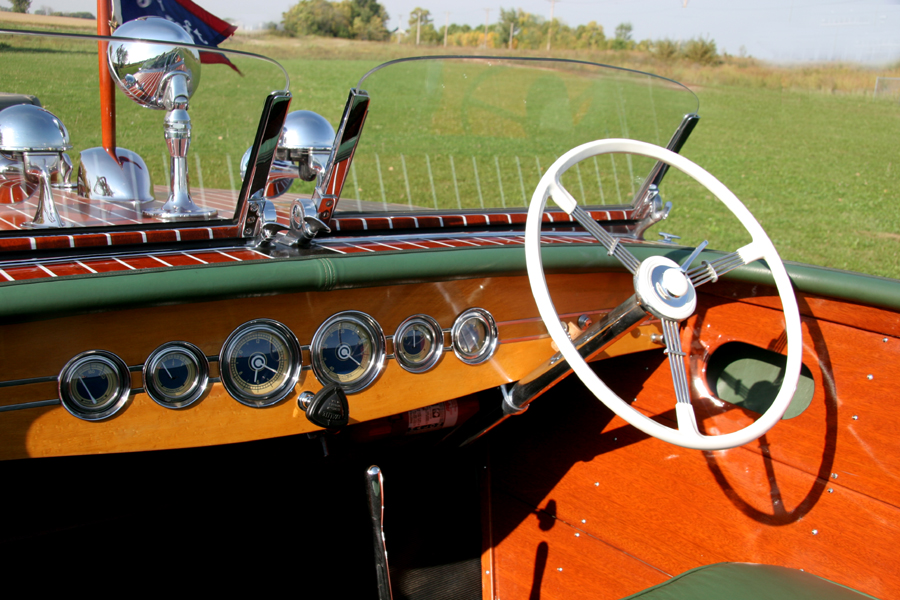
x,y
348,349
260,363
418,343
474,335
176,374
94,385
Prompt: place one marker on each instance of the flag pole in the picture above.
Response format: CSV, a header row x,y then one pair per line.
x,y
107,88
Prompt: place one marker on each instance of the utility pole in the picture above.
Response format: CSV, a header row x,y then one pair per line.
x,y
446,28
418,26
511,25
550,29
487,18
400,29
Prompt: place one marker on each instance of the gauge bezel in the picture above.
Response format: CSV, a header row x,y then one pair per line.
x,y
490,346
375,366
122,386
198,386
295,359
433,356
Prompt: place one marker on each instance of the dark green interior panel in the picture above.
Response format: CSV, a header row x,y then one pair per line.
x,y
750,377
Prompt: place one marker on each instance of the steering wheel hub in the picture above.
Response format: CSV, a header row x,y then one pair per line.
x,y
664,290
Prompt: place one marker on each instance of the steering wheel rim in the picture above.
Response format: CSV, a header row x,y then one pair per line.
x,y
687,434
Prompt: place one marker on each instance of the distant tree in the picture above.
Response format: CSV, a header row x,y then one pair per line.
x,y
20,6
360,19
623,37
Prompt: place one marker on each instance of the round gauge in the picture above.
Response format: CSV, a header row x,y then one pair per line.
x,y
260,363
176,374
348,349
418,343
94,385
474,336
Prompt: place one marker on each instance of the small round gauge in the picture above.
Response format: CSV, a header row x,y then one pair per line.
x,y
260,363
418,343
94,385
474,336
348,349
176,374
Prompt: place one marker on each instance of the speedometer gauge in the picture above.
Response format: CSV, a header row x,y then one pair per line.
x,y
176,374
260,363
348,349
418,343
94,385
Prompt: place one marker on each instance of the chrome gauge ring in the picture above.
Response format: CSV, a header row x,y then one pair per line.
x,y
176,374
94,385
348,349
474,336
418,343
260,363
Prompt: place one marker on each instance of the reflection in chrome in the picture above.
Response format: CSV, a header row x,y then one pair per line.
x,y
176,374
94,385
348,349
36,139
418,343
162,76
260,363
123,179
474,335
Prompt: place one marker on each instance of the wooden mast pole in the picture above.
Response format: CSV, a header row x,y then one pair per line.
x,y
107,88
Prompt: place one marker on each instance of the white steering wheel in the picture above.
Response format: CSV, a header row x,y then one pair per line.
x,y
665,290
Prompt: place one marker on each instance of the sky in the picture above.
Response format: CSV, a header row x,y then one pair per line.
x,y
784,31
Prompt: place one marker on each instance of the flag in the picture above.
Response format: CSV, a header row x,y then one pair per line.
x,y
206,28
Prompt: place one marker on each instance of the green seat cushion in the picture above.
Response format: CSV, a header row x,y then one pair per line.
x,y
744,581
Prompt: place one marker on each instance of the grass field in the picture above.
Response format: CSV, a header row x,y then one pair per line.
x,y
813,162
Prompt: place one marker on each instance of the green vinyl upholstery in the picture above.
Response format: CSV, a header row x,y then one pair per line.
x,y
745,581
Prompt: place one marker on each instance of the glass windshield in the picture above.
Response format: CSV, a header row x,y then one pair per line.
x,y
60,72
456,133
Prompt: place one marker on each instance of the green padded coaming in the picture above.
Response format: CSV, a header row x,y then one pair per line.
x,y
745,581
37,299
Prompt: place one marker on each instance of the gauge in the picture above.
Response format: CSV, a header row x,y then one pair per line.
x,y
348,349
260,363
94,385
474,336
176,374
418,343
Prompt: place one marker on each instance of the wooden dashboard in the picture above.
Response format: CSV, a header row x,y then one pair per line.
x,y
34,352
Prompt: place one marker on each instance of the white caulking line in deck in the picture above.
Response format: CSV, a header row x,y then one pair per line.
x,y
71,241
234,258
465,223
361,247
334,250
550,216
10,223
388,246
463,241
158,259
177,235
124,263
144,236
108,239
488,241
415,222
33,243
258,252
441,243
441,220
84,266
337,225
200,260
365,225
209,229
418,245
5,274
509,219
390,222
46,270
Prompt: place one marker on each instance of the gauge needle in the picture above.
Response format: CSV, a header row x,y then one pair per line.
x,y
354,360
84,385
255,373
166,370
269,368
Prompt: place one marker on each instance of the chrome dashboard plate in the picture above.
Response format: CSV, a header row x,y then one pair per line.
x,y
176,374
94,385
260,363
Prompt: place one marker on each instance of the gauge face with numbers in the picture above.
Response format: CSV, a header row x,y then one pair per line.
x,y
418,343
348,349
260,363
94,385
176,374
